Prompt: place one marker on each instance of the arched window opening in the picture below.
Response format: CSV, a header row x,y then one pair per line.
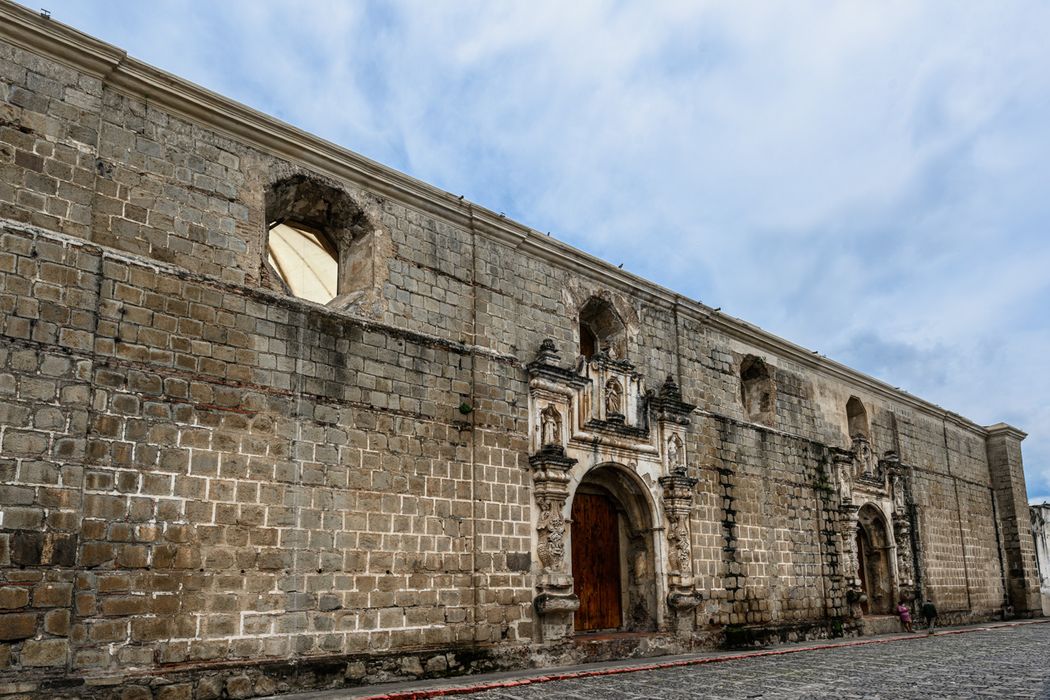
x,y
319,246
601,330
857,418
757,390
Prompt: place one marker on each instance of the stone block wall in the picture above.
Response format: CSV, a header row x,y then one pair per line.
x,y
196,470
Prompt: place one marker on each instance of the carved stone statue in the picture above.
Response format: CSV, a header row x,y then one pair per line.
x,y
898,493
550,426
674,452
613,398
845,483
864,455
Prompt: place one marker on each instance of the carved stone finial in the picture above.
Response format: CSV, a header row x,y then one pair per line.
x,y
670,390
548,354
667,404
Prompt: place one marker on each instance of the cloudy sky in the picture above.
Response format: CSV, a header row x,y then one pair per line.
x,y
869,180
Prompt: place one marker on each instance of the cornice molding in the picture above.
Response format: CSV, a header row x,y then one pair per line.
x,y
50,38
1006,430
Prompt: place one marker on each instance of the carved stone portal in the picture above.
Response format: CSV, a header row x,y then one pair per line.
x,y
596,418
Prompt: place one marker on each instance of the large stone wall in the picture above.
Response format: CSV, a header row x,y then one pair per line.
x,y
201,475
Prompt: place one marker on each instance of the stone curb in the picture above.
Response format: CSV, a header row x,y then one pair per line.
x,y
422,694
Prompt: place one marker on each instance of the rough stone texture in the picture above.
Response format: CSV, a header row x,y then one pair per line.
x,y
210,483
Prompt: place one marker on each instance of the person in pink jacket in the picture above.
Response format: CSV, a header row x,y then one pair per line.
x,y
905,615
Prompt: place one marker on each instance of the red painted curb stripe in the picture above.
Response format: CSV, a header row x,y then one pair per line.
x,y
496,685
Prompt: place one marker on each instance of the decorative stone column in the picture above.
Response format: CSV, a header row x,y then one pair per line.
x,y
671,414
850,564
901,525
682,595
842,469
555,602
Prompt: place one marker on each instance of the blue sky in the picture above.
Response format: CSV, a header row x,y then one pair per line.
x,y
869,180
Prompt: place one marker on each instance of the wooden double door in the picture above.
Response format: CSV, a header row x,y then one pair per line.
x,y
596,562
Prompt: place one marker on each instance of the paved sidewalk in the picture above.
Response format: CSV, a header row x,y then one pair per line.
x,y
1006,659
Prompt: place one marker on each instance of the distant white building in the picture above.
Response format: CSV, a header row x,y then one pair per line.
x,y
1041,533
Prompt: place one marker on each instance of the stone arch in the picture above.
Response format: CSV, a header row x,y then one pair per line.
x,y
601,330
875,552
614,570
325,212
857,418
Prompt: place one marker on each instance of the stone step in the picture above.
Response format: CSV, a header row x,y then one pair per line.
x,y
880,624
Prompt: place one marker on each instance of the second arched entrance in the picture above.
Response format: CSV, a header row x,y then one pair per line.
x,y
874,561
613,564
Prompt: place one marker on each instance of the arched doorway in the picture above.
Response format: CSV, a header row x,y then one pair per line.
x,y
873,561
613,566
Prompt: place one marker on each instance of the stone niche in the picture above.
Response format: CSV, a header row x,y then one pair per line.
x,y
596,433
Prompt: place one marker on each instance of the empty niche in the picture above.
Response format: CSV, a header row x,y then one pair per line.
x,y
601,330
757,390
318,243
857,418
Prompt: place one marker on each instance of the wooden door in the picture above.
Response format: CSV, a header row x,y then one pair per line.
x,y
596,562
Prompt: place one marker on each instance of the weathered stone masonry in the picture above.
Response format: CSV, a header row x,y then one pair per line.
x,y
210,488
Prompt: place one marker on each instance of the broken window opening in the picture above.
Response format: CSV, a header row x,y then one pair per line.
x,y
307,261
320,246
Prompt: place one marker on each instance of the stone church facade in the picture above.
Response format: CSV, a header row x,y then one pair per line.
x,y
488,450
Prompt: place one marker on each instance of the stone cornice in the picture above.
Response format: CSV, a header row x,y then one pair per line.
x,y
47,37
1007,430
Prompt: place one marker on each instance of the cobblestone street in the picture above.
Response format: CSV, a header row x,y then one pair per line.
x,y
1011,662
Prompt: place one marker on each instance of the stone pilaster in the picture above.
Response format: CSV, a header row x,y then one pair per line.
x,y
849,561
682,596
1011,496
555,601
902,536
